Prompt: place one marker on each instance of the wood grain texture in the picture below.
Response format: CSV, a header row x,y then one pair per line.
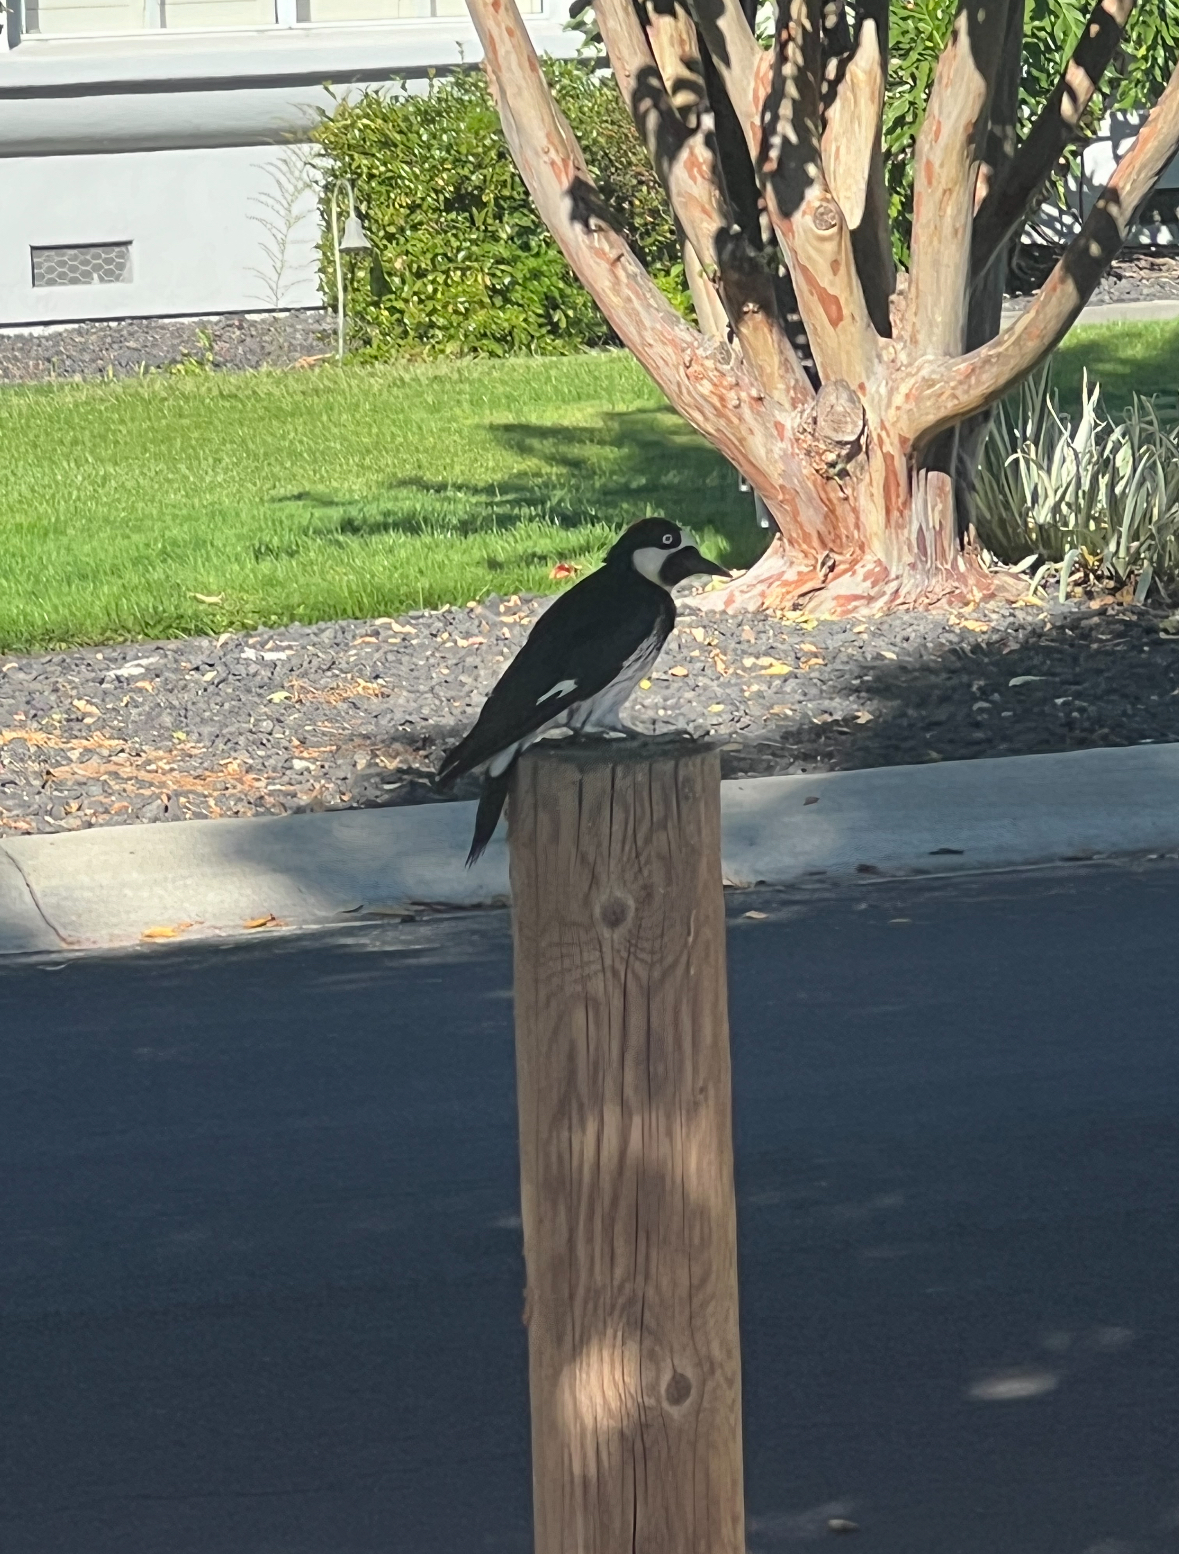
x,y
626,1152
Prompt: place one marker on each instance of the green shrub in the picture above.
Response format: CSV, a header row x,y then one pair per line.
x,y
466,264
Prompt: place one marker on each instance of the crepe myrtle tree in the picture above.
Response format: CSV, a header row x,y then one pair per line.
x,y
854,401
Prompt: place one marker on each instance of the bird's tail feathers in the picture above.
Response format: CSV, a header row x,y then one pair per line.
x,y
456,763
491,804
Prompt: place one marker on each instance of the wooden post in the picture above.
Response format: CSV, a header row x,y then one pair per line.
x,y
626,1150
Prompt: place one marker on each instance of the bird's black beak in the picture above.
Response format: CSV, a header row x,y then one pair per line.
x,y
688,562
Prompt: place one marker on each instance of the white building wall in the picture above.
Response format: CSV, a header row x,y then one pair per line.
x,y
221,230
190,147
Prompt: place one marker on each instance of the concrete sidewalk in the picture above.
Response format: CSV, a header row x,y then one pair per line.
x,y
1156,310
110,886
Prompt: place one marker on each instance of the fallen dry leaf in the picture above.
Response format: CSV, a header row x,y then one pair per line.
x,y
698,633
564,569
85,706
165,932
887,653
975,625
209,598
717,706
644,685
775,668
269,921
679,671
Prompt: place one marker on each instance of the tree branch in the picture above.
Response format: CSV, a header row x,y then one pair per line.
x,y
671,33
946,159
1012,196
854,165
713,393
811,228
676,46
939,393
684,161
783,138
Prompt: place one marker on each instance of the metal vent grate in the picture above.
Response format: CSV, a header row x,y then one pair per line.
x,y
93,264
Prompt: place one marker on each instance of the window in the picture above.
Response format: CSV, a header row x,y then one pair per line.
x,y
89,264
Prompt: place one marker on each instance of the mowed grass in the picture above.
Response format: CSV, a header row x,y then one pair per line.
x,y
368,490
336,493
1126,359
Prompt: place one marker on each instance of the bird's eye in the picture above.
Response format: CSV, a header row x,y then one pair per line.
x,y
668,539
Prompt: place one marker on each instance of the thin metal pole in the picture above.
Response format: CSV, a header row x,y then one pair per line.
x,y
339,274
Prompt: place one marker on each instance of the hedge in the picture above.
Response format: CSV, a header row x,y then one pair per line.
x,y
465,263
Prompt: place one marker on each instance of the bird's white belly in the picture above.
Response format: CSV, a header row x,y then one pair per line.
x,y
600,714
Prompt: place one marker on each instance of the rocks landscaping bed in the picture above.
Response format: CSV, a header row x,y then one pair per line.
x,y
238,342
357,713
129,348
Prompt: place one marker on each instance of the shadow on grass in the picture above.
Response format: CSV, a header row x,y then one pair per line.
x,y
631,464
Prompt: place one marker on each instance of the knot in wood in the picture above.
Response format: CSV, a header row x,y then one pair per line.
x,y
826,217
831,432
838,414
615,912
678,1390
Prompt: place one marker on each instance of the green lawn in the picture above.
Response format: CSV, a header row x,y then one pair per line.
x,y
1126,359
312,495
366,491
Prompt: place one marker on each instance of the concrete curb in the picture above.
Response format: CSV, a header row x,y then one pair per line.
x,y
110,886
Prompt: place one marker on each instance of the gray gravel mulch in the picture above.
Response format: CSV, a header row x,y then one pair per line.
x,y
357,714
1142,277
239,342
128,348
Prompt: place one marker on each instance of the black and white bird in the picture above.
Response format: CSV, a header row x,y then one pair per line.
x,y
581,660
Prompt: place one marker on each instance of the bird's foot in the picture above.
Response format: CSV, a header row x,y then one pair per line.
x,y
605,733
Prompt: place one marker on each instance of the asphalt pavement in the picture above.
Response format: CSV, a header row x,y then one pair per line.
x,y
260,1271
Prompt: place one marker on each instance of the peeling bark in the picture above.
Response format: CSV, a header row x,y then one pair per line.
x,y
946,162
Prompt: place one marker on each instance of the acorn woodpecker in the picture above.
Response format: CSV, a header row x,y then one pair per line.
x,y
580,662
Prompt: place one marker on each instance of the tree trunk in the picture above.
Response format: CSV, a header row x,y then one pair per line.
x,y
891,540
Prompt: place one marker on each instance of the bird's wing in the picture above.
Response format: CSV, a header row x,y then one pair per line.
x,y
577,647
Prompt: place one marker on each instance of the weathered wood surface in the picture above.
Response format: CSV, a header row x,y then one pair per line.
x,y
626,1152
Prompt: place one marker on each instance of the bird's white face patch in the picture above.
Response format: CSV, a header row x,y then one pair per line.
x,y
562,688
649,560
